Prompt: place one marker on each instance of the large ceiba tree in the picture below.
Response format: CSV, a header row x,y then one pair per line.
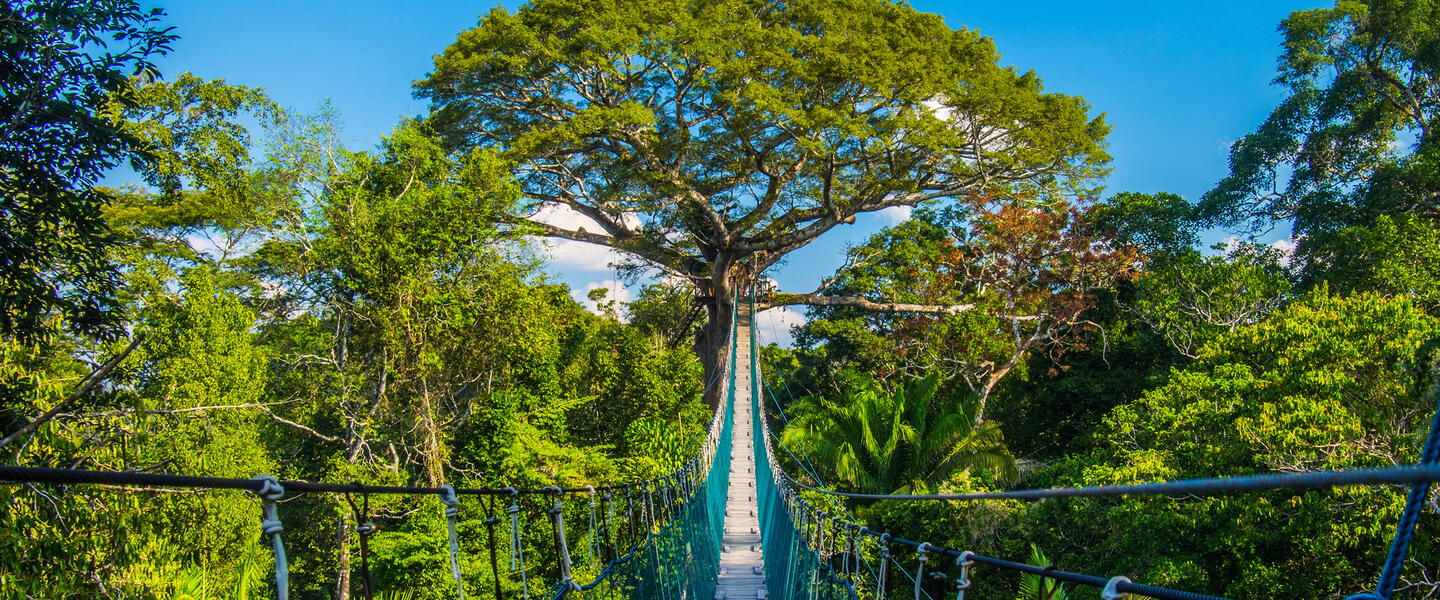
x,y
708,139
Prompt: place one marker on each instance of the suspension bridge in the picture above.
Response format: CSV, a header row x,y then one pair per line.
x,y
729,524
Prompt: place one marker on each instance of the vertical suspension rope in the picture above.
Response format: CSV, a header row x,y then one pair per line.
x,y
884,566
610,525
920,574
557,515
270,492
594,545
452,512
365,528
517,546
963,561
490,522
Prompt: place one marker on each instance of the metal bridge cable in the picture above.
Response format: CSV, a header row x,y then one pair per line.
x,y
1201,487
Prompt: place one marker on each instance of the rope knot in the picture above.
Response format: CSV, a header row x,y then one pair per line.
x,y
450,500
1111,591
447,495
270,488
271,527
963,561
367,529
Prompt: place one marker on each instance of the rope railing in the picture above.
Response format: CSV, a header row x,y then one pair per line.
x,y
662,502
806,517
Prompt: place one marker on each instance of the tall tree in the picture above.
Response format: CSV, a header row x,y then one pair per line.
x,y
60,62
1357,135
709,139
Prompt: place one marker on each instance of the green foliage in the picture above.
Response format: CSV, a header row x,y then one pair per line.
x,y
1055,406
1395,255
63,61
1192,299
1036,587
978,291
1324,383
364,316
1155,224
904,441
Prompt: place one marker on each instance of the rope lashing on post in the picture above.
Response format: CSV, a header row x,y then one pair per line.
x,y
517,546
594,545
920,572
452,512
270,493
366,529
557,516
963,561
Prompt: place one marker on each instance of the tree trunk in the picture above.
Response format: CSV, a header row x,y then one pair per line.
x,y
713,348
713,345
342,569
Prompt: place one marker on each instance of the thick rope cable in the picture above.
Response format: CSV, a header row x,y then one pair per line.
x,y
1414,474
1409,518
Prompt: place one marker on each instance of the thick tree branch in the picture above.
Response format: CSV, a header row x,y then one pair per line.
x,y
776,300
90,382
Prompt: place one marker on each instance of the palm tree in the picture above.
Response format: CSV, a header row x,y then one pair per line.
x,y
900,442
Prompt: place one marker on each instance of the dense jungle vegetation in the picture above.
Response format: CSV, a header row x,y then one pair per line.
x,y
270,301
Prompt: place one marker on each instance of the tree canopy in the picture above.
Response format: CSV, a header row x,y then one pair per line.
x,y
60,63
703,136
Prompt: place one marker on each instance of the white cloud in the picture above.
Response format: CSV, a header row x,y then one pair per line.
x,y
570,255
615,291
894,215
1286,248
775,325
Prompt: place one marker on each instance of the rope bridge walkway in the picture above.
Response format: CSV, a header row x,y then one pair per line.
x,y
729,524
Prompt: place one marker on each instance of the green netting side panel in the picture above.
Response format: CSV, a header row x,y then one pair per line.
x,y
678,556
793,566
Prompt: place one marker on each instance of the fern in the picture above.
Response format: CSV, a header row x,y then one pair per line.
x,y
1031,586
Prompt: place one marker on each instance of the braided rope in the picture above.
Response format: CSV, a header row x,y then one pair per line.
x,y
452,512
270,493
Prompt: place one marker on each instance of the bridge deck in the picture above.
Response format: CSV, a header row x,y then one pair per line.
x,y
742,575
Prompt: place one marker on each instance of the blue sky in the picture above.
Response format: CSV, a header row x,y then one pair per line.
x,y
1178,82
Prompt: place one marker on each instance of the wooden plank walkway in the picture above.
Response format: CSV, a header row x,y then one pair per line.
x,y
742,574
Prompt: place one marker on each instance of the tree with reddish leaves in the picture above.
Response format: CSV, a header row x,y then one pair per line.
x,y
983,286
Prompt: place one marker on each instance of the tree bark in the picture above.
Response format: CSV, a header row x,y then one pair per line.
x,y
342,569
713,344
774,300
